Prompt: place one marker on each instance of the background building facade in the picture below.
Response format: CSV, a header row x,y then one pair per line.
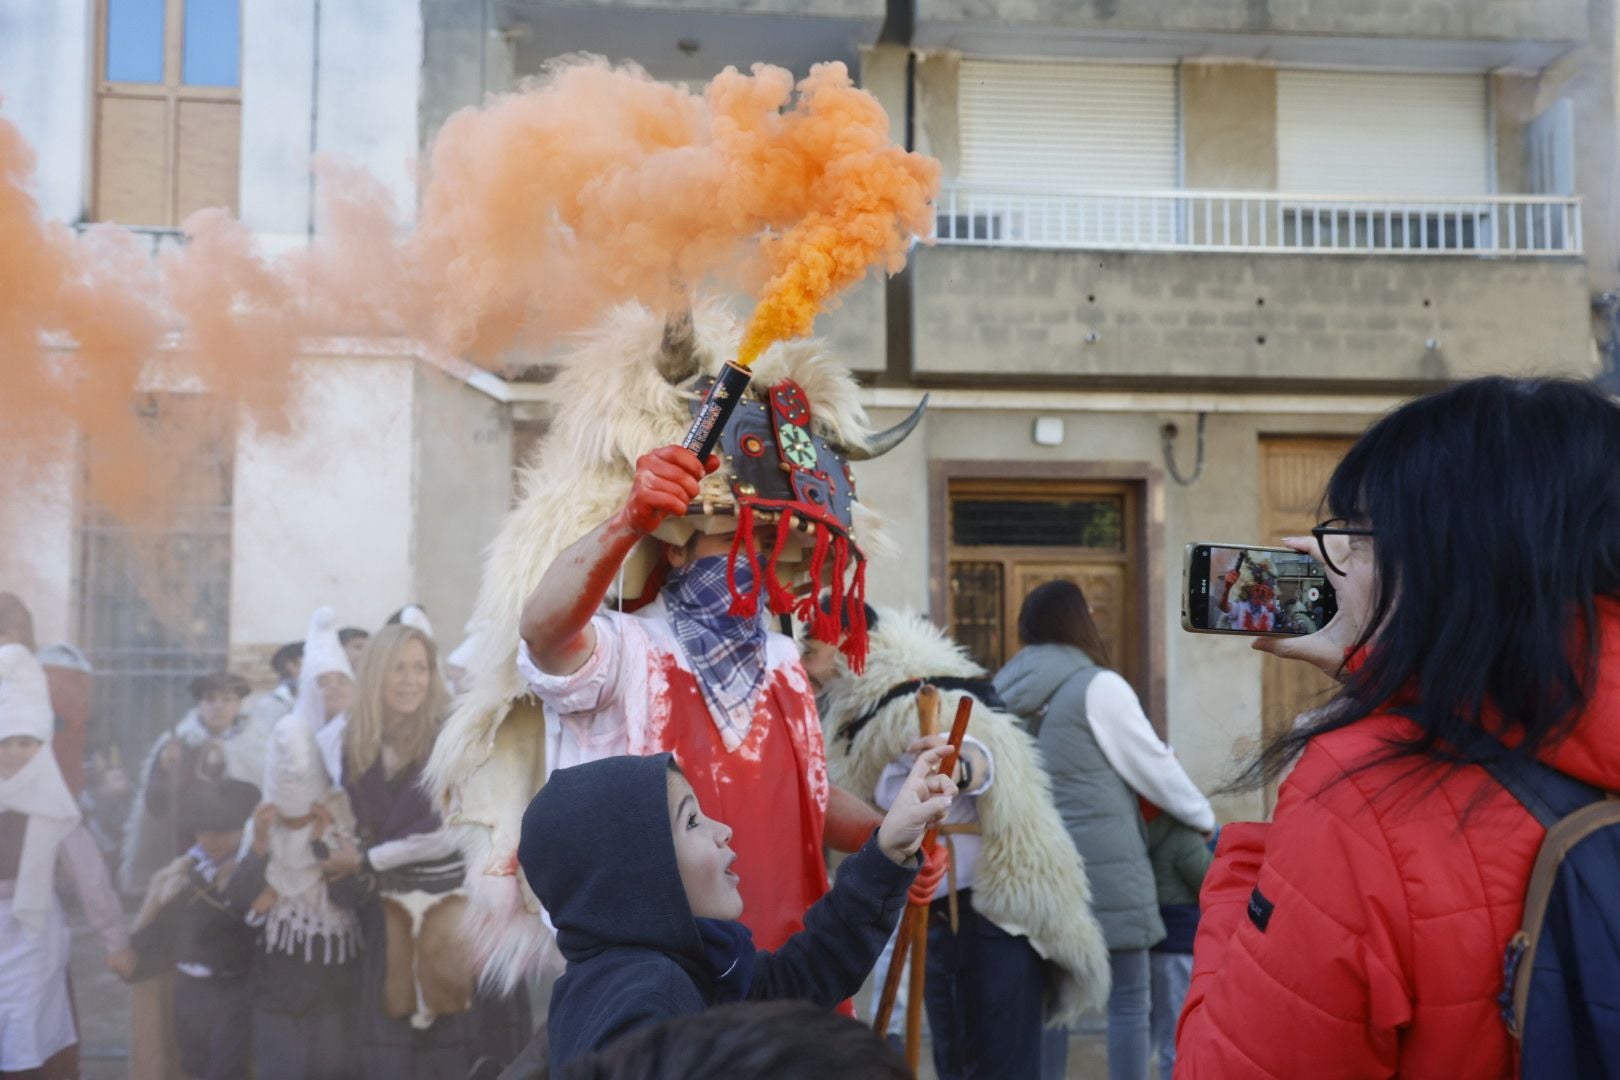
x,y
1185,253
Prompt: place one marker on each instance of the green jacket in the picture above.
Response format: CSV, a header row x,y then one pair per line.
x,y
1180,860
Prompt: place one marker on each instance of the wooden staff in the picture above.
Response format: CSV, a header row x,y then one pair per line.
x,y
914,923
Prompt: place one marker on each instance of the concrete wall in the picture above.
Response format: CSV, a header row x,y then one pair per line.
x,y
462,463
45,57
38,535
1229,126
1218,319
325,515
464,57
1588,78
833,9
354,80
1213,701
939,128
1506,20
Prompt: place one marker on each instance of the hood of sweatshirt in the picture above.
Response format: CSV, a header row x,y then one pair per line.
x,y
599,853
1028,681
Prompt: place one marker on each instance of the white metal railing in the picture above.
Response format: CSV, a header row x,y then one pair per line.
x,y
1259,222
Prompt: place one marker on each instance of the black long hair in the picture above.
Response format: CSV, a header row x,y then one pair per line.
x,y
1496,511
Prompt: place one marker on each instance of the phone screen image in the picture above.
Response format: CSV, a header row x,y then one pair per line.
x,y
1251,590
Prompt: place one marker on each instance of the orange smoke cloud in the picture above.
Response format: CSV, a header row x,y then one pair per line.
x,y
590,187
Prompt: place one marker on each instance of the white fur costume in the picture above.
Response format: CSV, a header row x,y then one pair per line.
x,y
617,405
1029,880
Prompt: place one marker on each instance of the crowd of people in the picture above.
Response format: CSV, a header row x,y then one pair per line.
x,y
301,856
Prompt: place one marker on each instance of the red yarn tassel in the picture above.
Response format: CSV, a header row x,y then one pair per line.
x,y
809,610
832,613
777,595
857,641
745,605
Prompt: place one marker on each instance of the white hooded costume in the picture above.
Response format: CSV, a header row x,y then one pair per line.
x,y
304,920
36,1016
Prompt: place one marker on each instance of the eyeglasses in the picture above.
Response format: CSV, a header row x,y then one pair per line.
x,y
1334,527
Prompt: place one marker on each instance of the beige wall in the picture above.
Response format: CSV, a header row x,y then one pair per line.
x,y
1229,126
1213,682
39,533
1465,20
938,125
462,465
1132,318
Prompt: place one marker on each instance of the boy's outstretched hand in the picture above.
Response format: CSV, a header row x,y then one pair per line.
x,y
921,804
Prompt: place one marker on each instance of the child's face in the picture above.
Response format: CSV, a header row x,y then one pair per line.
x,y
703,853
334,688
218,710
220,845
19,750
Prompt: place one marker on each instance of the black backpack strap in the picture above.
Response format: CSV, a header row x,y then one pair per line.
x,y
1548,794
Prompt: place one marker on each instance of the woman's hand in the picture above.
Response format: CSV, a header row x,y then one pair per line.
x,y
344,859
264,819
923,800
264,902
121,962
1327,649
323,820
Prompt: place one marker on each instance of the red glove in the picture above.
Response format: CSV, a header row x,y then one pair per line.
x,y
666,483
928,878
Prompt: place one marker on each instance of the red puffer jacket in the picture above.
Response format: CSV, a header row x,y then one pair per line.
x,y
1361,934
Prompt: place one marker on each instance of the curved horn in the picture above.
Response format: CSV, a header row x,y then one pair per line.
x,y
677,353
884,441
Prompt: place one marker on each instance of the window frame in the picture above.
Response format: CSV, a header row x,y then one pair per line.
x,y
171,91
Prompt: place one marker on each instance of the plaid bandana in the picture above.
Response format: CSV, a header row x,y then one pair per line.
x,y
727,652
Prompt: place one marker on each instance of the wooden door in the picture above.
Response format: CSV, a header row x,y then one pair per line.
x,y
1008,536
1294,472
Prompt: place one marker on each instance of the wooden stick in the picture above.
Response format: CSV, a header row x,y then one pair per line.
x,y
927,720
917,926
916,922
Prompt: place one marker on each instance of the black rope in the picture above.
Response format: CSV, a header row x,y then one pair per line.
x,y
982,689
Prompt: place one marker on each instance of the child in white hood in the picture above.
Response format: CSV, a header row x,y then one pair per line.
x,y
305,978
40,830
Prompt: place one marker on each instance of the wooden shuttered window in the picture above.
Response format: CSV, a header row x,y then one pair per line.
x,y
168,111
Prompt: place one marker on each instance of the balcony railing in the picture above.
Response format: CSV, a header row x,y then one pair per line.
x,y
1259,222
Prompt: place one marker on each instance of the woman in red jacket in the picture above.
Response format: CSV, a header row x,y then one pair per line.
x,y
1476,554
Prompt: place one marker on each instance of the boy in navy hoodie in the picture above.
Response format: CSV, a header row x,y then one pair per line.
x,y
640,886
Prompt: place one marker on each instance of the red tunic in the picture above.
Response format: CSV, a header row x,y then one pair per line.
x,y
637,695
762,791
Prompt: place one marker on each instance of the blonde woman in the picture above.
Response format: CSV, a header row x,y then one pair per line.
x,y
419,1016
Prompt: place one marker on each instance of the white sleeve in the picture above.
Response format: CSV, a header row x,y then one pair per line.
x,y
895,772
419,847
1134,750
590,689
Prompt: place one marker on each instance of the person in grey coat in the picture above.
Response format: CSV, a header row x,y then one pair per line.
x,y
1101,752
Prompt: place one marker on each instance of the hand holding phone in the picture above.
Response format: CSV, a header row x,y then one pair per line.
x,y
1248,589
1328,648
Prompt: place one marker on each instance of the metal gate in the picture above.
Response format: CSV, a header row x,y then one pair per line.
x,y
154,587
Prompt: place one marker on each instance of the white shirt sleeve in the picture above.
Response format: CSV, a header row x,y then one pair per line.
x,y
419,847
590,689
895,772
1143,761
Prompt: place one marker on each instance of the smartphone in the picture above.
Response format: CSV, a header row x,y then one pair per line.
x,y
1247,589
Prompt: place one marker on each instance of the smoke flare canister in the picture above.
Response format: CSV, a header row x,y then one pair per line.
x,y
711,419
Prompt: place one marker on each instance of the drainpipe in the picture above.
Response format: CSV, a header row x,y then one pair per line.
x,y
1606,307
898,28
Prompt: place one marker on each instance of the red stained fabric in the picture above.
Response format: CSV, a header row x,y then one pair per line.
x,y
1393,892
764,790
